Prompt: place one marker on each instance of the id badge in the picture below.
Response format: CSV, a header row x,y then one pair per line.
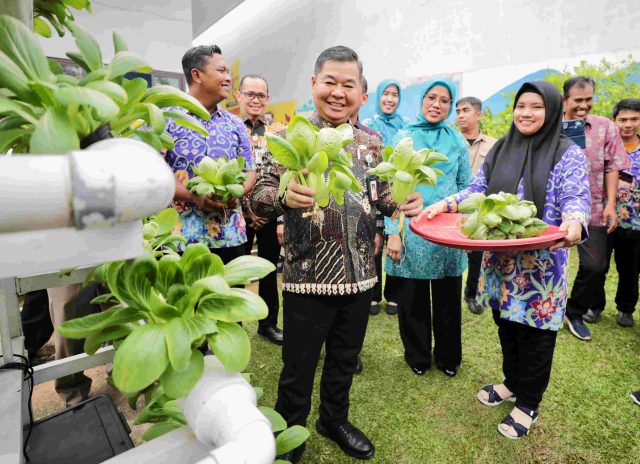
x,y
372,185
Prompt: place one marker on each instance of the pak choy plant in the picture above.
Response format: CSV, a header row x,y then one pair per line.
x,y
157,233
163,310
316,158
500,216
220,177
55,13
42,110
405,168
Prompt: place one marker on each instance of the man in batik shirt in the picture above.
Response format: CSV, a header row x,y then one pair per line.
x,y
204,219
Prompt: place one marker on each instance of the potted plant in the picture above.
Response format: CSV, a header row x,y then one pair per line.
x,y
42,110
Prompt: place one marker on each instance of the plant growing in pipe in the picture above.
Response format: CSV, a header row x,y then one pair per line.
x,y
42,110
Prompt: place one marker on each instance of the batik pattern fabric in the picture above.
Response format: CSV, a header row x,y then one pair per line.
x,y
628,198
530,287
605,153
333,256
227,137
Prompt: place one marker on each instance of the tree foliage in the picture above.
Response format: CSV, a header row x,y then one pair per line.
x,y
614,82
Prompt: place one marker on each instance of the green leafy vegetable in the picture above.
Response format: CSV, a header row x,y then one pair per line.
x,y
500,216
220,177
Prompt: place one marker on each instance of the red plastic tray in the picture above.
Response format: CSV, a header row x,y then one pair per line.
x,y
444,229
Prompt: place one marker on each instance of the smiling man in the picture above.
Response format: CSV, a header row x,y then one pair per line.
x,y
329,269
204,219
606,157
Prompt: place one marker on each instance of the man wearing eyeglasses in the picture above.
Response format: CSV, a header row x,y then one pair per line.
x,y
204,218
254,98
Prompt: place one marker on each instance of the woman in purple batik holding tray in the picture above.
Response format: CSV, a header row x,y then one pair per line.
x,y
527,290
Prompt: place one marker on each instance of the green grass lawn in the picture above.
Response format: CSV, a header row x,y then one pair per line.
x,y
586,415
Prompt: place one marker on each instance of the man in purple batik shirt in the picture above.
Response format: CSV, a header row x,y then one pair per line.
x,y
204,219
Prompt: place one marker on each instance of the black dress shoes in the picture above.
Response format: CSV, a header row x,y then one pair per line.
x,y
273,334
419,370
473,305
294,455
348,437
359,367
448,371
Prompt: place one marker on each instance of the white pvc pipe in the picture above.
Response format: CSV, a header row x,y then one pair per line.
x,y
114,181
221,410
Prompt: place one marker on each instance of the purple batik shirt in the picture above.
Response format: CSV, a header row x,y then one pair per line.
x,y
227,137
530,287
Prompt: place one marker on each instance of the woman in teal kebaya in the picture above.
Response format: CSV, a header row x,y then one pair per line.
x,y
429,275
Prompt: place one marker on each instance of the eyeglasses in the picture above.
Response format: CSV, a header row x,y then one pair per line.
x,y
251,95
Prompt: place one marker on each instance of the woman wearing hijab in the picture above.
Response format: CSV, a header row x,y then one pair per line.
x,y
527,290
429,276
387,121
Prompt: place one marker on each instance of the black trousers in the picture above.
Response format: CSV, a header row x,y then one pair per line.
x,y
416,301
473,274
626,244
593,262
390,284
269,249
36,321
338,322
229,253
527,355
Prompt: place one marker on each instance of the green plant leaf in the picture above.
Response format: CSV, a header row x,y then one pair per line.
x,y
88,46
96,339
355,184
141,359
164,96
237,305
41,28
200,326
135,89
283,152
119,45
179,383
231,346
178,344
104,106
172,410
111,90
191,252
284,181
23,49
301,134
115,278
169,273
277,421
156,117
150,138
243,269
203,266
105,298
318,163
159,429
290,439
53,134
55,67
125,62
8,138
78,59
23,110
187,121
160,308
84,326
140,276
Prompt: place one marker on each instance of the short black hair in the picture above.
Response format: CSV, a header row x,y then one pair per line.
x,y
632,104
269,112
253,76
337,53
196,58
577,81
365,85
473,101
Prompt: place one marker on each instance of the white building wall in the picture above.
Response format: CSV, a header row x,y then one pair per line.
x,y
158,30
490,42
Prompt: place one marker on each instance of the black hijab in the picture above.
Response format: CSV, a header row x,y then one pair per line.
x,y
530,158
